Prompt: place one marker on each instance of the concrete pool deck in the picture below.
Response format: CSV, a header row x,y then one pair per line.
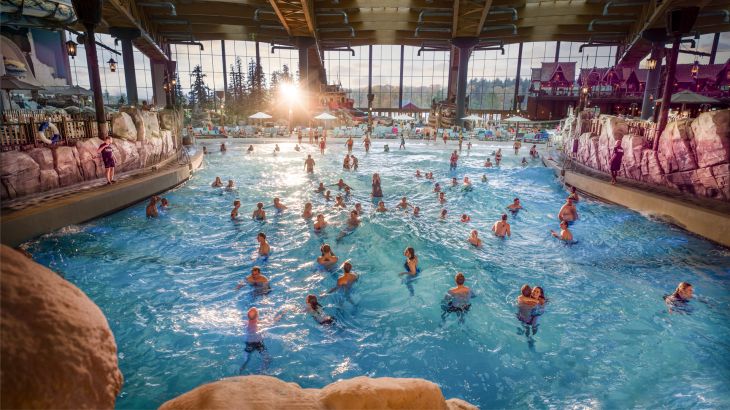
x,y
31,217
711,221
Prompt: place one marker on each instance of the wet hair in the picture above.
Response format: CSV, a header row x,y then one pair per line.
x,y
682,286
411,251
516,199
526,290
308,204
353,212
260,205
256,268
460,279
347,267
236,203
443,212
542,292
261,235
252,314
504,217
326,248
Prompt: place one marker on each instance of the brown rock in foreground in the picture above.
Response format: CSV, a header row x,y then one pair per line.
x,y
57,349
264,392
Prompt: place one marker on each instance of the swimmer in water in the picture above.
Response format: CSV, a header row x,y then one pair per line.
x,y
529,308
381,207
468,146
353,221
515,206
488,163
465,218
347,192
151,210
501,228
574,195
309,165
386,148
341,184
484,178
457,300
276,149
347,279
259,214
328,258
437,187
250,149
231,185
467,182
320,188
278,205
164,204
217,183
320,223
255,279
568,212
355,162
411,263
443,213
429,175
678,301
264,247
234,211
314,309
454,182
565,234
297,148
307,214
346,162
474,239
416,211
205,150
418,173
254,339
524,161
403,204
498,156
358,208
340,202
533,151
327,195
442,198
223,147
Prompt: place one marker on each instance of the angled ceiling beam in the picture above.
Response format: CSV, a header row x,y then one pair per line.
x,y
483,18
281,17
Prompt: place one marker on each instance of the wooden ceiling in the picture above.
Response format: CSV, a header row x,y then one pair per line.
x,y
336,23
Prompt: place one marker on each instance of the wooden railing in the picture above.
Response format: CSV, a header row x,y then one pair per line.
x,y
19,128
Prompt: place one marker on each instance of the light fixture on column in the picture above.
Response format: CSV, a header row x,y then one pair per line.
x,y
112,65
71,48
585,90
651,63
695,68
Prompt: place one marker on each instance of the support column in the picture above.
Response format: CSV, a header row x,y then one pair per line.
x,y
453,72
400,84
305,74
668,89
651,89
713,51
370,95
515,102
465,44
158,82
225,68
126,35
557,51
89,14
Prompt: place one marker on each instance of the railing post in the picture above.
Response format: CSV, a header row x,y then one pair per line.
x,y
32,127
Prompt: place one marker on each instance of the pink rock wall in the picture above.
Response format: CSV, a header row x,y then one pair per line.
x,y
693,154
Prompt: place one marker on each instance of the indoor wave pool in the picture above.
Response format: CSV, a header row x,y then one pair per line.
x,y
606,340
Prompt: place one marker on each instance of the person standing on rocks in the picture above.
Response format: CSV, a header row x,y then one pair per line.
x,y
107,156
616,158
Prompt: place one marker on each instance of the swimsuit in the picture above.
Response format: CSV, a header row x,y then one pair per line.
x,y
258,346
107,156
408,269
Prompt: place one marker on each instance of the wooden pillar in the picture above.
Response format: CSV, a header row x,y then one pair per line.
x,y
516,103
400,84
668,89
92,64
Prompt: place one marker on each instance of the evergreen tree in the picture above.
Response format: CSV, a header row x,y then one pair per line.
x,y
122,100
256,86
236,93
199,92
180,99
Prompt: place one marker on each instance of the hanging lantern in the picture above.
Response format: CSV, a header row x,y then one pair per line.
x,y
695,68
112,65
71,48
651,63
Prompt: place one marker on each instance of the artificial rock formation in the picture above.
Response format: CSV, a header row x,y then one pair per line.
x,y
693,154
264,392
141,144
57,349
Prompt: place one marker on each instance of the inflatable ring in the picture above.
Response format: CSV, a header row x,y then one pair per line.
x,y
41,133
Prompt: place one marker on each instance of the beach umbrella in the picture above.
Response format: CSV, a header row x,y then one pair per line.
x,y
516,120
472,118
403,117
325,116
260,116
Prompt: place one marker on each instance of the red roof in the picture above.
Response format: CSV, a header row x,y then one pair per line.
x,y
410,107
548,71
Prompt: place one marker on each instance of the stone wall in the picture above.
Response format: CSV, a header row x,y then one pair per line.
x,y
693,154
140,140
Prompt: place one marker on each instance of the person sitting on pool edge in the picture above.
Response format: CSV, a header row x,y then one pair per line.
x,y
347,279
568,212
501,228
264,248
255,279
217,183
565,234
515,206
259,214
234,211
328,258
678,301
278,205
474,239
320,223
457,300
411,263
307,214
151,210
314,309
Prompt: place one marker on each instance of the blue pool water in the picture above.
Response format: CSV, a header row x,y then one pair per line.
x,y
167,287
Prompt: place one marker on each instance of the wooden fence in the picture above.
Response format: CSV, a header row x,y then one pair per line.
x,y
19,128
